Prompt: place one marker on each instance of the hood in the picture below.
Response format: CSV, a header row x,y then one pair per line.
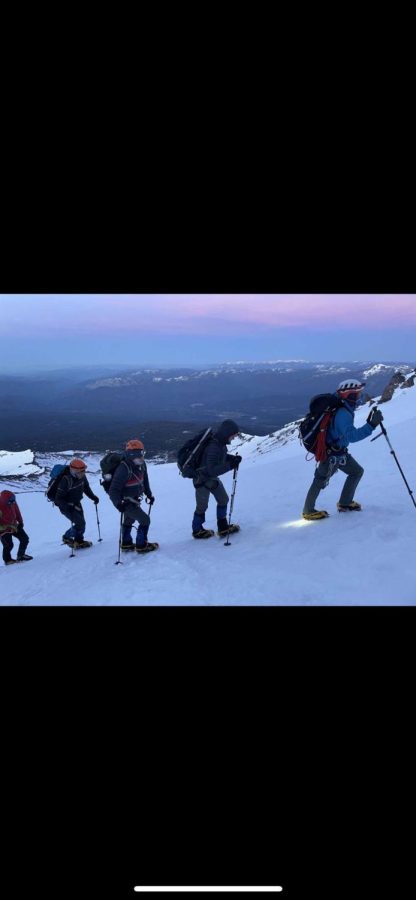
x,y
5,496
226,429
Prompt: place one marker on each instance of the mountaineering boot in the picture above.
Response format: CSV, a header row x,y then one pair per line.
x,y
224,528
78,545
353,505
23,558
130,546
147,547
10,562
203,533
142,544
198,530
315,514
229,530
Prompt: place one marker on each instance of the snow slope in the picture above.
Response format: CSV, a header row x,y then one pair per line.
x,y
361,558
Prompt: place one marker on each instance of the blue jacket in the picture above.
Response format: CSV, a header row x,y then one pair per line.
x,y
341,430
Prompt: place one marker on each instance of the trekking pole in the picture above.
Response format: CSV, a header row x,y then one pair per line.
x,y
383,431
98,525
119,563
227,543
73,545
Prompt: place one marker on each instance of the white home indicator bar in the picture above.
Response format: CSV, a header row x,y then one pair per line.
x,y
251,890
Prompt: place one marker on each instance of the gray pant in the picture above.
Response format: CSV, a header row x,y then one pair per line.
x,y
211,486
324,472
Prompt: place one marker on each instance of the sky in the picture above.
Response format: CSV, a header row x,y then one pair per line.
x,y
47,331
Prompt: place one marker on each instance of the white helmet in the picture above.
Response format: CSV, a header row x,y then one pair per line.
x,y
350,389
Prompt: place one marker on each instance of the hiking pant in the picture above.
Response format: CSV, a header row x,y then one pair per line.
x,y
7,541
202,491
324,471
75,515
133,513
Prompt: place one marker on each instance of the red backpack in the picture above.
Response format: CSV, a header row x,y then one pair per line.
x,y
313,428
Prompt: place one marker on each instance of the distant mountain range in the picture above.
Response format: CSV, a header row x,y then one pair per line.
x,y
100,408
36,467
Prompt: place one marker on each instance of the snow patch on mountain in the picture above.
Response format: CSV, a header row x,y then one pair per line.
x,y
379,368
18,464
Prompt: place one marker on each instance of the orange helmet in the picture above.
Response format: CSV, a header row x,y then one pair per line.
x,y
135,444
77,464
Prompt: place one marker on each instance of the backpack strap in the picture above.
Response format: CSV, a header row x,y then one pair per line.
x,y
333,447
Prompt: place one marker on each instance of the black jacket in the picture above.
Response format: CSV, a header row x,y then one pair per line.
x,y
71,490
215,459
129,480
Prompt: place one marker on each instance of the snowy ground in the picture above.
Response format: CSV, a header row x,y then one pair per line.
x,y
361,558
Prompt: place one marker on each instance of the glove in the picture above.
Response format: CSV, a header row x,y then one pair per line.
x,y
235,461
96,500
151,500
121,506
375,417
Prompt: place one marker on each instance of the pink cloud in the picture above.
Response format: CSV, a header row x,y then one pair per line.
x,y
175,314
202,314
202,311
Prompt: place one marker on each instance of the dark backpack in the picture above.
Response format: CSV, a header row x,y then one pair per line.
x,y
57,473
108,466
190,455
313,428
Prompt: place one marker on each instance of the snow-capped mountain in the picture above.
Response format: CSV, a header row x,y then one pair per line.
x,y
364,558
384,369
163,403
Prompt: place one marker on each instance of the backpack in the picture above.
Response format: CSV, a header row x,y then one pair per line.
x,y
313,428
108,465
57,473
189,456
